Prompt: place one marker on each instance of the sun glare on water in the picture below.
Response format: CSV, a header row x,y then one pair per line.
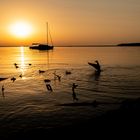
x,y
21,29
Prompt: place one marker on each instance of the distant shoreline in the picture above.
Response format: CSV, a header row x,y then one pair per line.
x,y
129,44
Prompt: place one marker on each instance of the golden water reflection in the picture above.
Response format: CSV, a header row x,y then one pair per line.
x,y
22,58
64,58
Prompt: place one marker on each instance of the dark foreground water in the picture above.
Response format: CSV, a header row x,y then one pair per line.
x,y
27,105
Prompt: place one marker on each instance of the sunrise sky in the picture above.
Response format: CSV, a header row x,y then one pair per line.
x,y
72,22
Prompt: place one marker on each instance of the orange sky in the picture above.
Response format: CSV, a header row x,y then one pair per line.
x,y
72,22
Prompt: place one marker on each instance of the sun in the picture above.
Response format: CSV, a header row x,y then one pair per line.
x,y
20,29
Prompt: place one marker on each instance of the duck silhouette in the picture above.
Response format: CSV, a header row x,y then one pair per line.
x,y
13,79
41,71
67,72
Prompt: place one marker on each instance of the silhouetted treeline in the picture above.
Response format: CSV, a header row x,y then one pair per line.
x,y
129,44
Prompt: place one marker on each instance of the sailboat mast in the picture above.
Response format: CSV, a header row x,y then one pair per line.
x,y
47,31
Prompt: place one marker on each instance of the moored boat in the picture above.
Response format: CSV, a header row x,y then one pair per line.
x,y
40,46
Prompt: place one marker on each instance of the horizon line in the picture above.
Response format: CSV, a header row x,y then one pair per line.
x,y
82,45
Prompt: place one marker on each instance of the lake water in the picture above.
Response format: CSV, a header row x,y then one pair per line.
x,y
26,103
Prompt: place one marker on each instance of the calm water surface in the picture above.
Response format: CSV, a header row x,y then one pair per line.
x,y
27,103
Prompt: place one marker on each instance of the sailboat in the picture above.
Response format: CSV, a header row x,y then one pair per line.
x,y
39,46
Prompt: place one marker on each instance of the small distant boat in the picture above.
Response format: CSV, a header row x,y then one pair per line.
x,y
40,46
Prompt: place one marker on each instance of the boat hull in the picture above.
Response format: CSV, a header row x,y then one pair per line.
x,y
41,47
